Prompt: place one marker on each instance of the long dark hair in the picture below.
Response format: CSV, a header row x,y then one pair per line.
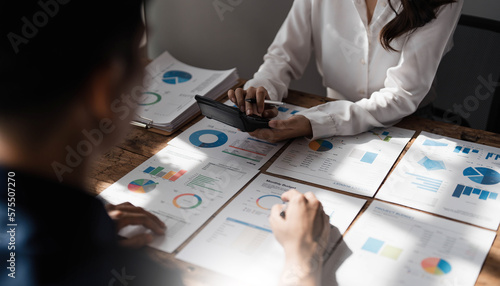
x,y
415,14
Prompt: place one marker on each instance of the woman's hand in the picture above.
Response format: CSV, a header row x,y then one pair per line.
x,y
295,126
127,214
302,225
302,233
260,94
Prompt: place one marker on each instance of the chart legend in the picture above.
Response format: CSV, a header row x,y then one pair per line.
x,y
250,148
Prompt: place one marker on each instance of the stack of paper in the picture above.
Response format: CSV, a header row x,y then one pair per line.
x,y
170,86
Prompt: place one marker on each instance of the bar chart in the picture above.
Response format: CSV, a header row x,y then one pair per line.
x,y
464,150
492,156
469,191
161,173
426,183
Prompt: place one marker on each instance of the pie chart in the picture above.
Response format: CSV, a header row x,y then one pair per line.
x,y
266,202
208,138
187,201
436,266
150,98
321,145
175,77
483,176
142,186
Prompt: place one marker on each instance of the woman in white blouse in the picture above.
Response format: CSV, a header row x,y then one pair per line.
x,y
378,58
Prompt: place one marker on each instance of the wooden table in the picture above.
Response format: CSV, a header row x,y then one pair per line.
x,y
141,145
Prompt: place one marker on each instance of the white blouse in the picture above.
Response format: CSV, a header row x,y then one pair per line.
x,y
375,87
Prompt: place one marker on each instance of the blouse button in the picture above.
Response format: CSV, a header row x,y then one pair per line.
x,y
363,62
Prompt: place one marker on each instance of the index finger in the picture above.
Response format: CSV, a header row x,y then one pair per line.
x,y
240,94
260,97
231,95
290,195
250,107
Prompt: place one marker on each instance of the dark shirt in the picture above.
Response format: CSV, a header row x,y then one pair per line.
x,y
64,236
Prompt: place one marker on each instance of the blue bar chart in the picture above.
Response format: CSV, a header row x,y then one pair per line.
x,y
468,191
465,150
492,156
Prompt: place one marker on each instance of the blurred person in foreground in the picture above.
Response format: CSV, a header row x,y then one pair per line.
x,y
66,72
